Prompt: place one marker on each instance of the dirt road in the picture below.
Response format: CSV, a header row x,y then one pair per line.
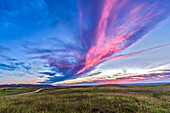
x,y
31,92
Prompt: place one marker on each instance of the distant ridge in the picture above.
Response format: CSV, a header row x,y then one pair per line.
x,y
27,85
51,86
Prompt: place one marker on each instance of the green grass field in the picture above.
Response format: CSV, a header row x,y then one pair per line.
x,y
97,99
12,91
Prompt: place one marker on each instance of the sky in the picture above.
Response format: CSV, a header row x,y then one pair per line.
x,y
68,42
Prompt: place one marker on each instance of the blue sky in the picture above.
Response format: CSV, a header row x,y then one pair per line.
x,y
69,41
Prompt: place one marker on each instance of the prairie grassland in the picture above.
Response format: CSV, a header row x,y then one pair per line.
x,y
14,90
95,99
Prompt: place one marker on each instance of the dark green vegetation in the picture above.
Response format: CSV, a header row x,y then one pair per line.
x,y
11,91
100,99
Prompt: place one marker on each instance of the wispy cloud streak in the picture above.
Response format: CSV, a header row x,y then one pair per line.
x,y
135,53
121,25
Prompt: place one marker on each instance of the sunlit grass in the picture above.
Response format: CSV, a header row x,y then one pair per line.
x,y
102,99
11,91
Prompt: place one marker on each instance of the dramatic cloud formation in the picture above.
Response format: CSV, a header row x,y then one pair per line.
x,y
147,75
61,40
114,27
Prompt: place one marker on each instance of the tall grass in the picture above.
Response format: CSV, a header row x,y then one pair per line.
x,y
103,99
11,91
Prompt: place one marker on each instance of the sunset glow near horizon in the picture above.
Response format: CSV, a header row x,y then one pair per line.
x,y
63,42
